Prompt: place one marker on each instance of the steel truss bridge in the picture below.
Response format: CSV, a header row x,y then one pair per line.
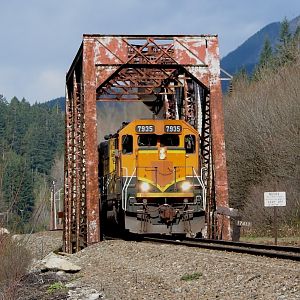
x,y
176,77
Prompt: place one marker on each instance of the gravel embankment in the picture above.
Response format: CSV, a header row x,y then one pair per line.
x,y
42,243
138,270
133,270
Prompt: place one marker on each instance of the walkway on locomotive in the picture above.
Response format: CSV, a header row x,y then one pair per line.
x,y
161,158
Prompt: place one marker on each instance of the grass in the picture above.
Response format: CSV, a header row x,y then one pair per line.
x,y
292,241
56,286
189,277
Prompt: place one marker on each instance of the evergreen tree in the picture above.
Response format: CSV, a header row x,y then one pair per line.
x,y
3,113
296,40
285,35
240,77
297,33
18,186
30,138
265,61
266,54
242,74
284,51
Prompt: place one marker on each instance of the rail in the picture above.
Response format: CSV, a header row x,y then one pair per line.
x,y
282,252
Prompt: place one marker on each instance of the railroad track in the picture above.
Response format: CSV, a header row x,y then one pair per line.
x,y
282,252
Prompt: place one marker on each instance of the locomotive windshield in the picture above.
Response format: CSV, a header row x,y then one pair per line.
x,y
127,144
190,143
147,140
153,139
169,140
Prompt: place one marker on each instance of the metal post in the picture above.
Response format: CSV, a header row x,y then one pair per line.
x,y
52,200
22,217
54,207
218,142
92,190
59,200
275,225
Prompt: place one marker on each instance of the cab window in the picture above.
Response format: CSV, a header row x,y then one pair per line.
x,y
147,140
169,140
190,143
127,144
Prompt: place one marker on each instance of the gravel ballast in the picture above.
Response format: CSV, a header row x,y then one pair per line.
x,y
117,269
135,270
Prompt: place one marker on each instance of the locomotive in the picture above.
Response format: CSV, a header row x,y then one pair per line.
x,y
151,179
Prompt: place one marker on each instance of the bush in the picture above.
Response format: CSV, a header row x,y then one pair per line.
x,y
262,218
15,259
262,131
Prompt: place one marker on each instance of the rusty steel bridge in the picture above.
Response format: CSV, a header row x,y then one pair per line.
x,y
176,77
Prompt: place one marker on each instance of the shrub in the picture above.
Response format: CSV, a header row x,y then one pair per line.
x,y
15,259
55,287
262,131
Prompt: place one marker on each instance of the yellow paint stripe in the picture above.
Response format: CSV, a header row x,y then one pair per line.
x,y
178,180
148,151
175,151
159,195
156,151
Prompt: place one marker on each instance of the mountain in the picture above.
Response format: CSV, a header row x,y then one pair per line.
x,y
247,55
294,24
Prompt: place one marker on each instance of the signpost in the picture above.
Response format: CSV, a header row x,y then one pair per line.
x,y
275,199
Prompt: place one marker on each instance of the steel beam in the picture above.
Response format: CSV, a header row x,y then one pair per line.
x,y
91,155
218,140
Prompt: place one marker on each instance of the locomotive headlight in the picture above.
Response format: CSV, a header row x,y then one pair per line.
x,y
145,187
186,186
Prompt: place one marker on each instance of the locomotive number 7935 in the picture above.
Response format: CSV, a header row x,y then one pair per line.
x,y
145,128
173,128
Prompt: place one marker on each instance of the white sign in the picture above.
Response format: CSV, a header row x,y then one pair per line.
x,y
274,199
243,223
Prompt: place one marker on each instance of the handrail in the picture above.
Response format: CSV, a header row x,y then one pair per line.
x,y
203,187
126,189
123,188
200,180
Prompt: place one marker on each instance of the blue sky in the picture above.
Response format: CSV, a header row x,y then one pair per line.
x,y
39,38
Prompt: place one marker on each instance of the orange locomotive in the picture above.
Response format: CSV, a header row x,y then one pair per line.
x,y
150,178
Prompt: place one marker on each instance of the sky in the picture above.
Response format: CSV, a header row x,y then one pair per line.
x,y
39,38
